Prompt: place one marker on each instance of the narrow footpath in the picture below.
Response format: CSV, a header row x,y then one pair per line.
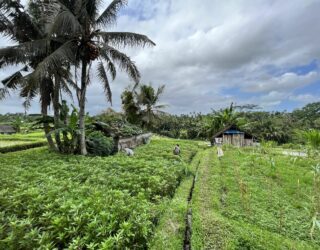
x,y
199,200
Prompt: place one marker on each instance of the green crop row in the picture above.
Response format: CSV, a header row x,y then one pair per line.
x,y
255,199
52,201
19,146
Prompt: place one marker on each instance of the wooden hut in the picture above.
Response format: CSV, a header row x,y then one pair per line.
x,y
232,135
7,129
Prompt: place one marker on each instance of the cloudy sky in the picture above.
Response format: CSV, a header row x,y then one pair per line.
x,y
210,53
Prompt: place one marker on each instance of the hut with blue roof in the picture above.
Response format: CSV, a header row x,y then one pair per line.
x,y
232,135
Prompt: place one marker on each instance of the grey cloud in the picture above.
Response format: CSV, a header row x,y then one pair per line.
x,y
206,46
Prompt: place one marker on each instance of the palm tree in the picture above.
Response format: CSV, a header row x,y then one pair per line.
x,y
74,37
142,106
27,29
221,119
148,100
76,24
17,24
130,107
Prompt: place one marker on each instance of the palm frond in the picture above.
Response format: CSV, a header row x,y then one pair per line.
x,y
21,27
65,23
102,74
46,90
24,52
124,62
4,92
160,90
65,88
125,39
109,16
112,70
6,27
91,8
52,63
162,106
14,80
29,90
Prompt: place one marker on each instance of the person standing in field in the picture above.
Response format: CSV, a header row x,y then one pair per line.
x,y
220,152
218,142
176,150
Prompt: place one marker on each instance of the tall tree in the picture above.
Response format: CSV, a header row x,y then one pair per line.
x,y
18,25
77,25
142,106
148,99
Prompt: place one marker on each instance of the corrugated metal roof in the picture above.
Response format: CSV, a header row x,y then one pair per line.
x,y
233,132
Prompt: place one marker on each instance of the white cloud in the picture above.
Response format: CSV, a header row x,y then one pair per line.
x,y
287,81
204,47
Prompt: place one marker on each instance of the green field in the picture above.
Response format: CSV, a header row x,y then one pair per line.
x,y
18,139
19,142
256,200
51,201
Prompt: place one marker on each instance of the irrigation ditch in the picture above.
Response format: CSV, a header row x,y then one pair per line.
x,y
188,230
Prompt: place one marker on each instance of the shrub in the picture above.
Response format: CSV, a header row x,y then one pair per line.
x,y
313,137
100,145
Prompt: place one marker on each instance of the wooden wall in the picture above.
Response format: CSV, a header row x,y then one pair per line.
x,y
237,140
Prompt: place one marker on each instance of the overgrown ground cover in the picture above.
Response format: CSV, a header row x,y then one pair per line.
x,y
17,142
256,199
54,201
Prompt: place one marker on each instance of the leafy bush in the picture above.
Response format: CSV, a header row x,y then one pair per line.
x,y
313,137
117,123
54,201
98,144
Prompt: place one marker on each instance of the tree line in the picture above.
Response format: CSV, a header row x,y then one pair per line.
x,y
281,127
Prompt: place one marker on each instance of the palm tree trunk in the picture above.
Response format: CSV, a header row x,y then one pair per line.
x,y
46,127
82,102
56,110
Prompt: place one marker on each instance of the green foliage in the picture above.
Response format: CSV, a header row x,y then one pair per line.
x,y
312,137
142,107
171,229
130,107
50,200
100,145
117,124
250,200
275,126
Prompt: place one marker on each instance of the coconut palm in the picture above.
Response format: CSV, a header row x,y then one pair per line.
x,y
77,24
75,37
148,100
26,29
17,24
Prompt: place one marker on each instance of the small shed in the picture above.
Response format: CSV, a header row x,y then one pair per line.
x,y
7,129
232,135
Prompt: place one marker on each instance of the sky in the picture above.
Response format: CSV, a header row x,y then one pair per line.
x,y
210,53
